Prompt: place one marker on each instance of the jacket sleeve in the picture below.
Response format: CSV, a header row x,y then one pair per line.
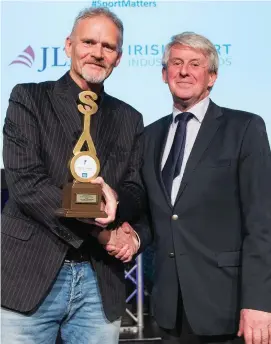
x,y
29,183
144,230
255,198
132,198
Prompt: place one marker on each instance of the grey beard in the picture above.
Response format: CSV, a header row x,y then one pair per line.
x,y
97,79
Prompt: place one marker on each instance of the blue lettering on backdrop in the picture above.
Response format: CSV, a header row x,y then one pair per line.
x,y
58,57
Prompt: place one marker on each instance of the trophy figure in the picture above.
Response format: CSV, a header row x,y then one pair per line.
x,y
81,199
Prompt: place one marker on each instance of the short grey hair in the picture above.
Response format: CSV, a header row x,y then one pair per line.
x,y
101,11
193,40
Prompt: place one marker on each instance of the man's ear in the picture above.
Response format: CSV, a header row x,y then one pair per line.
x,y
212,79
118,59
68,46
164,74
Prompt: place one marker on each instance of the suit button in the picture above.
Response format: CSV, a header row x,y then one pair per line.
x,y
175,217
171,255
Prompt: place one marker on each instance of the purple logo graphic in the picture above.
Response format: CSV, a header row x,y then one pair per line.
x,y
27,57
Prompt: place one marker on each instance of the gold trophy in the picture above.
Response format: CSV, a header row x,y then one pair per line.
x,y
81,199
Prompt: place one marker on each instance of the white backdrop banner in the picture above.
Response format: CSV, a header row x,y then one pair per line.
x,y
34,32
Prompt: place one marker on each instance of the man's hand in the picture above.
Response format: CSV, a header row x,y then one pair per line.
x,y
106,237
110,205
124,244
255,326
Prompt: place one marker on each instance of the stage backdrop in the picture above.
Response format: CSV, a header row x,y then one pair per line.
x,y
33,35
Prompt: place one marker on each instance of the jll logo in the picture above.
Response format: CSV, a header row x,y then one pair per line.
x,y
27,57
50,57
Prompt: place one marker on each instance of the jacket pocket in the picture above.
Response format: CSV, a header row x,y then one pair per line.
x,y
17,228
232,258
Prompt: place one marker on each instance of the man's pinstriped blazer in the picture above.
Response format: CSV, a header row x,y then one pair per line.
x,y
39,137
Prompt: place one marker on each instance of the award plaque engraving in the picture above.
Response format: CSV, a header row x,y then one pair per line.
x,y
81,199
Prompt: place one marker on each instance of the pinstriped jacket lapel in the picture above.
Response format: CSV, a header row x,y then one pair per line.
x,y
109,128
66,110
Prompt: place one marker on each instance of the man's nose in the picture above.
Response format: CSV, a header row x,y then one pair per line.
x,y
184,69
97,51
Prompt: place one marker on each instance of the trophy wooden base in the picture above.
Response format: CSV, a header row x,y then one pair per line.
x,y
81,200
86,215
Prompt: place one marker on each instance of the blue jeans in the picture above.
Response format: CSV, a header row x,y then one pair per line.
x,y
73,307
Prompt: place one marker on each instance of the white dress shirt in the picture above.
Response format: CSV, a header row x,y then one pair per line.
x,y
192,129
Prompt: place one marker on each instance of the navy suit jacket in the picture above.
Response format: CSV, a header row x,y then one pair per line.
x,y
217,247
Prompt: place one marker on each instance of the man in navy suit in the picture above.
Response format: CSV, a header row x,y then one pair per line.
x,y
207,172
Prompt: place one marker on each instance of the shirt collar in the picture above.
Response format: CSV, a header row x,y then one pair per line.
x,y
199,110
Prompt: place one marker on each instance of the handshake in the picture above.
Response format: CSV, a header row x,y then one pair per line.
x,y
122,242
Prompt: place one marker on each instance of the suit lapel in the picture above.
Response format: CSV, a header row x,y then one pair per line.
x,y
161,140
108,129
209,126
65,108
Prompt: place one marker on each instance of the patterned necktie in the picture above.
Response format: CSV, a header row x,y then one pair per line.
x,y
174,161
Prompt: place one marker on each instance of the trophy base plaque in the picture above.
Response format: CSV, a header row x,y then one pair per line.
x,y
81,200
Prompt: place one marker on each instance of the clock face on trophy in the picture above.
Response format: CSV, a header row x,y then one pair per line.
x,y
81,198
